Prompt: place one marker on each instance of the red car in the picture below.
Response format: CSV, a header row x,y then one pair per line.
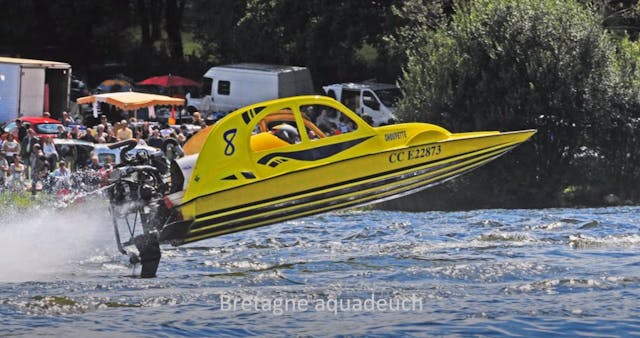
x,y
43,126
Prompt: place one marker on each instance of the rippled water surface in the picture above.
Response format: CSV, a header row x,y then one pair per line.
x,y
573,272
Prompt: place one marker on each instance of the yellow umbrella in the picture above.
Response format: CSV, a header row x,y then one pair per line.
x,y
131,100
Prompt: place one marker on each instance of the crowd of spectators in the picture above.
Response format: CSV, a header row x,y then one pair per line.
x,y
28,161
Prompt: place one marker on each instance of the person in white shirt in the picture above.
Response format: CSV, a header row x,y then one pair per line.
x,y
50,152
16,174
62,170
61,176
10,147
4,170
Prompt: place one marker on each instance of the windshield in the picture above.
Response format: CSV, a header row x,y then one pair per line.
x,y
389,97
47,128
10,127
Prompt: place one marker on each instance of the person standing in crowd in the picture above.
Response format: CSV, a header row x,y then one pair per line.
x,y
146,130
105,123
101,135
22,130
181,138
62,176
62,170
66,119
11,148
116,128
75,132
166,130
343,125
62,133
140,139
95,163
197,119
185,131
125,132
27,146
4,170
16,174
323,120
50,152
87,136
155,140
111,138
39,168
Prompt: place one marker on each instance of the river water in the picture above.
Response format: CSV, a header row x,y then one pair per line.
x,y
571,272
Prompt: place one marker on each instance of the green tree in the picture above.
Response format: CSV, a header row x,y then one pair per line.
x,y
339,41
518,64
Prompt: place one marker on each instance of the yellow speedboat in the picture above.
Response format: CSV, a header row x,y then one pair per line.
x,y
295,157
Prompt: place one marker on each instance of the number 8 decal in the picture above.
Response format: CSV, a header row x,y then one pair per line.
x,y
228,137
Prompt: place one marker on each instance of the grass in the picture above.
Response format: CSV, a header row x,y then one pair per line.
x,y
22,200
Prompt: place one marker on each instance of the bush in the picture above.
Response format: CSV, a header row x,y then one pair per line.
x,y
520,64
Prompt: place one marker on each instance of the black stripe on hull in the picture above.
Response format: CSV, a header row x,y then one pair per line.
x,y
369,193
336,185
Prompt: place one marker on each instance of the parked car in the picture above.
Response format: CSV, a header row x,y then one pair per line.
x,y
43,126
103,152
83,150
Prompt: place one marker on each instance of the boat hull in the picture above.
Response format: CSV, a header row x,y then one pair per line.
x,y
356,181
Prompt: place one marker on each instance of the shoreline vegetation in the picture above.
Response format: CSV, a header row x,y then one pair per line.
x,y
518,64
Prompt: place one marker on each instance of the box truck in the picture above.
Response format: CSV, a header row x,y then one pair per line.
x,y
229,87
30,87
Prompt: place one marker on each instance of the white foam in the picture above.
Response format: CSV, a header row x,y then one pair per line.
x,y
42,244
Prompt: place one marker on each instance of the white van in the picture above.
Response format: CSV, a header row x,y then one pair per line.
x,y
229,87
377,100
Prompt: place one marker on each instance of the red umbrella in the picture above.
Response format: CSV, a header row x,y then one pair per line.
x,y
169,81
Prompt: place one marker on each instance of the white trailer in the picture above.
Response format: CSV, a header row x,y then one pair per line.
x,y
229,87
29,87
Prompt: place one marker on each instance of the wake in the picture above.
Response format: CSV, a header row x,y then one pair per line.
x,y
43,243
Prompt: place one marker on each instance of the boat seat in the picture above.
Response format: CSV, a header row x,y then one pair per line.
x,y
265,141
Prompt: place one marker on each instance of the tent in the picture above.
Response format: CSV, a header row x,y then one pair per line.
x,y
131,100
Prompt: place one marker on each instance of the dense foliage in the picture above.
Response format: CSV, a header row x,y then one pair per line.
x,y
520,64
338,41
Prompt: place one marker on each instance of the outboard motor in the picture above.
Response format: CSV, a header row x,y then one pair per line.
x,y
137,186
